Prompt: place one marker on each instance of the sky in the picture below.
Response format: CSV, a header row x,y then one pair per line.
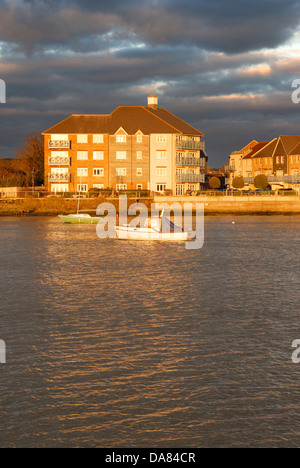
x,y
224,66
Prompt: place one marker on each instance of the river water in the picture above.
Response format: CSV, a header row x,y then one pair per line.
x,y
123,344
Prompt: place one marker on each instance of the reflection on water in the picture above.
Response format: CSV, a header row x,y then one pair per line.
x,y
116,344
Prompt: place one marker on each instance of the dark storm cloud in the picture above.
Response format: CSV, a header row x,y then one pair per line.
x,y
213,63
230,26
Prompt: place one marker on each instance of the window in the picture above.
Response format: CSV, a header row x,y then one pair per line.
x,y
59,170
161,155
121,171
161,138
161,171
161,187
99,186
82,187
139,172
98,172
97,138
82,172
59,154
139,155
82,138
60,137
82,155
121,155
282,159
277,160
121,138
59,188
139,187
139,138
98,155
121,186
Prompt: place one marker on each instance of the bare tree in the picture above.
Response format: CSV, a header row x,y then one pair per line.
x,y
31,160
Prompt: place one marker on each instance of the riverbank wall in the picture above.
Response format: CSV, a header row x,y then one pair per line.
x,y
240,205
213,205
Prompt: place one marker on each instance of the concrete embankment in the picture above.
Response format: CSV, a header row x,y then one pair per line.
x,y
240,205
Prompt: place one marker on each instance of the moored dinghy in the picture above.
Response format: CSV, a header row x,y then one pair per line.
x,y
80,218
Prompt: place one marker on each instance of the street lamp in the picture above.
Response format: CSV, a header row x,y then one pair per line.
x,y
32,173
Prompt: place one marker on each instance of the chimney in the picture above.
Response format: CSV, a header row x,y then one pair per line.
x,y
153,101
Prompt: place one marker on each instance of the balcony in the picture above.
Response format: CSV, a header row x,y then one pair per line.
x,y
59,161
287,179
190,178
59,177
229,168
190,145
59,144
190,161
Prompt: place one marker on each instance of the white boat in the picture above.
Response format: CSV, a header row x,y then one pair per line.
x,y
155,229
80,218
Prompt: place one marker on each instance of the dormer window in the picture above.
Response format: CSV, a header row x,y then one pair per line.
x,y
121,138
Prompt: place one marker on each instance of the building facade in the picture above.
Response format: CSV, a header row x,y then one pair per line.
x,y
278,159
134,148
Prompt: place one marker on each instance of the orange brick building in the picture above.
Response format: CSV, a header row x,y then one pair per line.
x,y
133,148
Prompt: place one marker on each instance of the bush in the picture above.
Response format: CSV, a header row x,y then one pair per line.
x,y
215,183
261,181
238,183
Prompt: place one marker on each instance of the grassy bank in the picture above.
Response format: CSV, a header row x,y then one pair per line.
x,y
53,206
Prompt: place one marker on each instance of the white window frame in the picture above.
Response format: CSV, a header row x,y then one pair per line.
x,y
121,186
98,155
82,155
139,138
59,188
121,171
161,172
98,186
82,172
139,186
82,138
161,187
161,138
58,137
139,172
139,155
161,154
98,138
100,170
121,138
121,155
82,188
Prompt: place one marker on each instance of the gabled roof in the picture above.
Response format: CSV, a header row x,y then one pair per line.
x,y
267,150
255,149
130,118
289,142
295,150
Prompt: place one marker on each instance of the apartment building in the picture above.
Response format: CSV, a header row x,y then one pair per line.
x,y
133,148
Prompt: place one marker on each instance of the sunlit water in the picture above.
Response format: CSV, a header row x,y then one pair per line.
x,y
123,344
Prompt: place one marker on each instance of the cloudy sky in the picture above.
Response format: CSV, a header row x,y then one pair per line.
x,y
225,66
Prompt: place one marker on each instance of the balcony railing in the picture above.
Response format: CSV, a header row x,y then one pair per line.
x,y
229,168
59,161
59,144
190,144
190,178
190,161
59,177
287,179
